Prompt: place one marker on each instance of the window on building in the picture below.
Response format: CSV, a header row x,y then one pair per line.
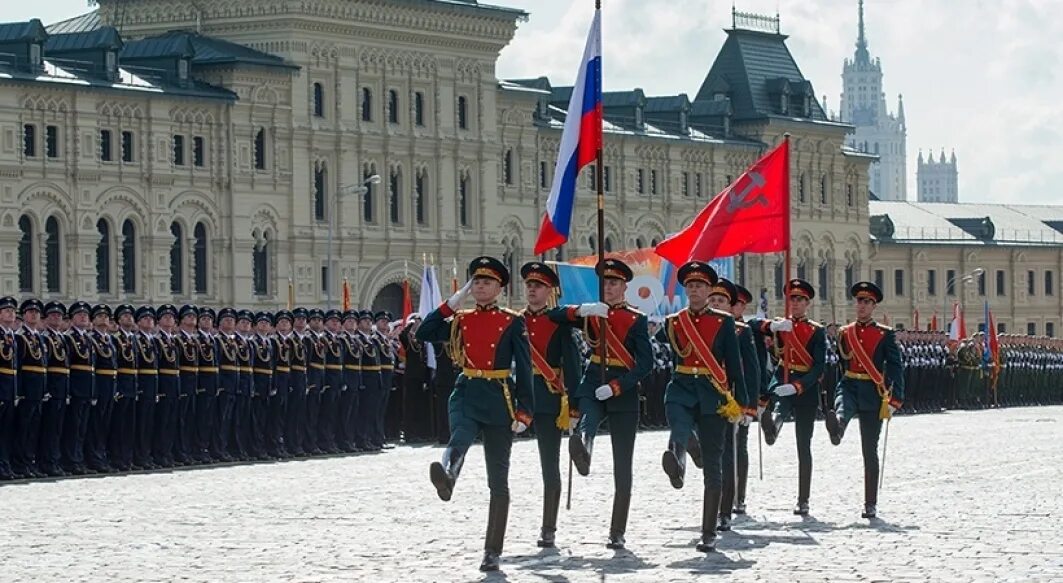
x,y
932,282
106,146
950,282
823,189
319,100
29,140
129,257
802,272
463,200
849,195
52,255
640,181
368,208
1031,328
592,177
320,200
420,186
177,259
686,184
880,278
418,108
201,258
394,196
260,266
324,279
850,280
697,185
1031,284
1001,290
127,146
260,149
25,255
543,184
824,283
507,167
178,150
609,244
780,279
463,113
981,284
51,141
367,104
607,179
653,182
393,106
802,184
1050,329
1002,328
1049,283
103,257
199,154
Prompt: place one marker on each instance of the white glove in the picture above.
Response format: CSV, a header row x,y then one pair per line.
x,y
593,309
892,410
785,390
781,325
603,392
745,420
518,427
573,422
455,302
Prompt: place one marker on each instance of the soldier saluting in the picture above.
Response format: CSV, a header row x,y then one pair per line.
x,y
485,342
872,387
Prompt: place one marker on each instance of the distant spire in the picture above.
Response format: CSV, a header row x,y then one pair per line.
x,y
900,107
953,158
920,155
862,56
943,155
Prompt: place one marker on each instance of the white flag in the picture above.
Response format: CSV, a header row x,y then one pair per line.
x,y
431,298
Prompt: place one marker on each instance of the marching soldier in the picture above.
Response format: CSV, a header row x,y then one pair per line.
x,y
82,391
32,384
485,342
228,379
99,423
282,377
350,390
8,383
417,399
708,385
263,357
333,387
736,450
371,394
122,435
314,345
56,393
149,348
614,394
169,387
207,386
295,422
243,445
188,355
872,387
801,344
555,361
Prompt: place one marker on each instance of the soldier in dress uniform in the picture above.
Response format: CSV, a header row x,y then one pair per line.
x,y
350,390
295,415
56,393
149,359
708,387
282,377
99,422
264,359
242,444
8,383
417,402
485,342
615,393
389,359
169,392
228,379
207,385
801,344
122,433
315,347
369,399
188,354
556,365
82,392
872,387
736,448
333,387
32,385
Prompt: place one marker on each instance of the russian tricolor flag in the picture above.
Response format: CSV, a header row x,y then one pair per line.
x,y
581,140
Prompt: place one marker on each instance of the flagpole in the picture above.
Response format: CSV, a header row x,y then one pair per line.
x,y
599,172
786,262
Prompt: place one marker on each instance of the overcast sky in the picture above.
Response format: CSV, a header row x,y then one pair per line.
x,y
978,76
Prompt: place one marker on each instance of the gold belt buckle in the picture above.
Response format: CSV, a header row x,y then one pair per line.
x,y
479,373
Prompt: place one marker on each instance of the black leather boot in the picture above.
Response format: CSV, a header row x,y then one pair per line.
x,y
579,449
870,493
497,516
445,474
804,489
835,427
740,490
674,463
709,513
694,447
551,502
768,426
621,505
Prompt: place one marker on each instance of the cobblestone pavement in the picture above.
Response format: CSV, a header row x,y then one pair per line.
x,y
968,497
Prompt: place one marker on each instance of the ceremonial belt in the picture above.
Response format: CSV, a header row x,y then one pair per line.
x,y
189,369
492,374
58,370
596,359
32,368
264,371
554,384
208,369
387,367
82,367
246,369
107,372
147,371
127,371
317,366
351,367
849,374
8,371
799,368
730,409
692,370
538,372
229,368
371,367
334,366
170,371
873,373
283,369
614,345
299,368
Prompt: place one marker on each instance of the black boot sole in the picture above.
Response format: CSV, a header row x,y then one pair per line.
x,y
833,428
439,479
581,458
768,426
670,463
707,547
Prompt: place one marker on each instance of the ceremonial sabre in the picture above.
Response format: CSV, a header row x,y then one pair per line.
x,y
568,497
760,452
734,457
885,442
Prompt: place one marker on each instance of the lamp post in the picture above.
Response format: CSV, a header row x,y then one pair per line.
x,y
358,190
965,278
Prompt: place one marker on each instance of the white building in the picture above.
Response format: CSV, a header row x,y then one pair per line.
x,y
938,179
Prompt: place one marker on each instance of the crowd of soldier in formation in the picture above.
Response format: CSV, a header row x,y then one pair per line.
x,y
86,390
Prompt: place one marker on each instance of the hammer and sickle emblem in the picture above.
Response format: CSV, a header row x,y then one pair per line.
x,y
749,195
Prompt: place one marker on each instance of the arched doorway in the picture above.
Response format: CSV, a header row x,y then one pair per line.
x,y
389,298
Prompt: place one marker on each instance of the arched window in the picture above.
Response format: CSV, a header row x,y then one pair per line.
x,y
823,189
418,108
394,200
418,197
260,265
507,167
129,257
640,243
367,104
780,279
260,149
367,198
463,113
201,258
25,255
463,199
103,257
393,106
177,259
319,100
609,244
802,185
320,180
52,256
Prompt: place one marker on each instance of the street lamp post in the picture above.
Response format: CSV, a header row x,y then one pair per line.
x,y
342,191
965,278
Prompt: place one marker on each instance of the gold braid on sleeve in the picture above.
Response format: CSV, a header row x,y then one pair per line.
x,y
587,334
675,341
456,350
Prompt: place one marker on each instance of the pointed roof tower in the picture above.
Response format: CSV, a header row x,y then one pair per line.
x,y
862,54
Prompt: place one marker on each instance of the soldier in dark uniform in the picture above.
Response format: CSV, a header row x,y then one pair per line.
x,y
169,391
372,391
56,394
82,392
315,347
802,344
442,384
228,378
556,365
613,394
389,358
417,403
485,342
347,417
263,358
207,386
708,385
295,417
333,387
872,387
122,434
32,384
736,448
242,444
282,377
149,359
8,383
188,354
100,414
